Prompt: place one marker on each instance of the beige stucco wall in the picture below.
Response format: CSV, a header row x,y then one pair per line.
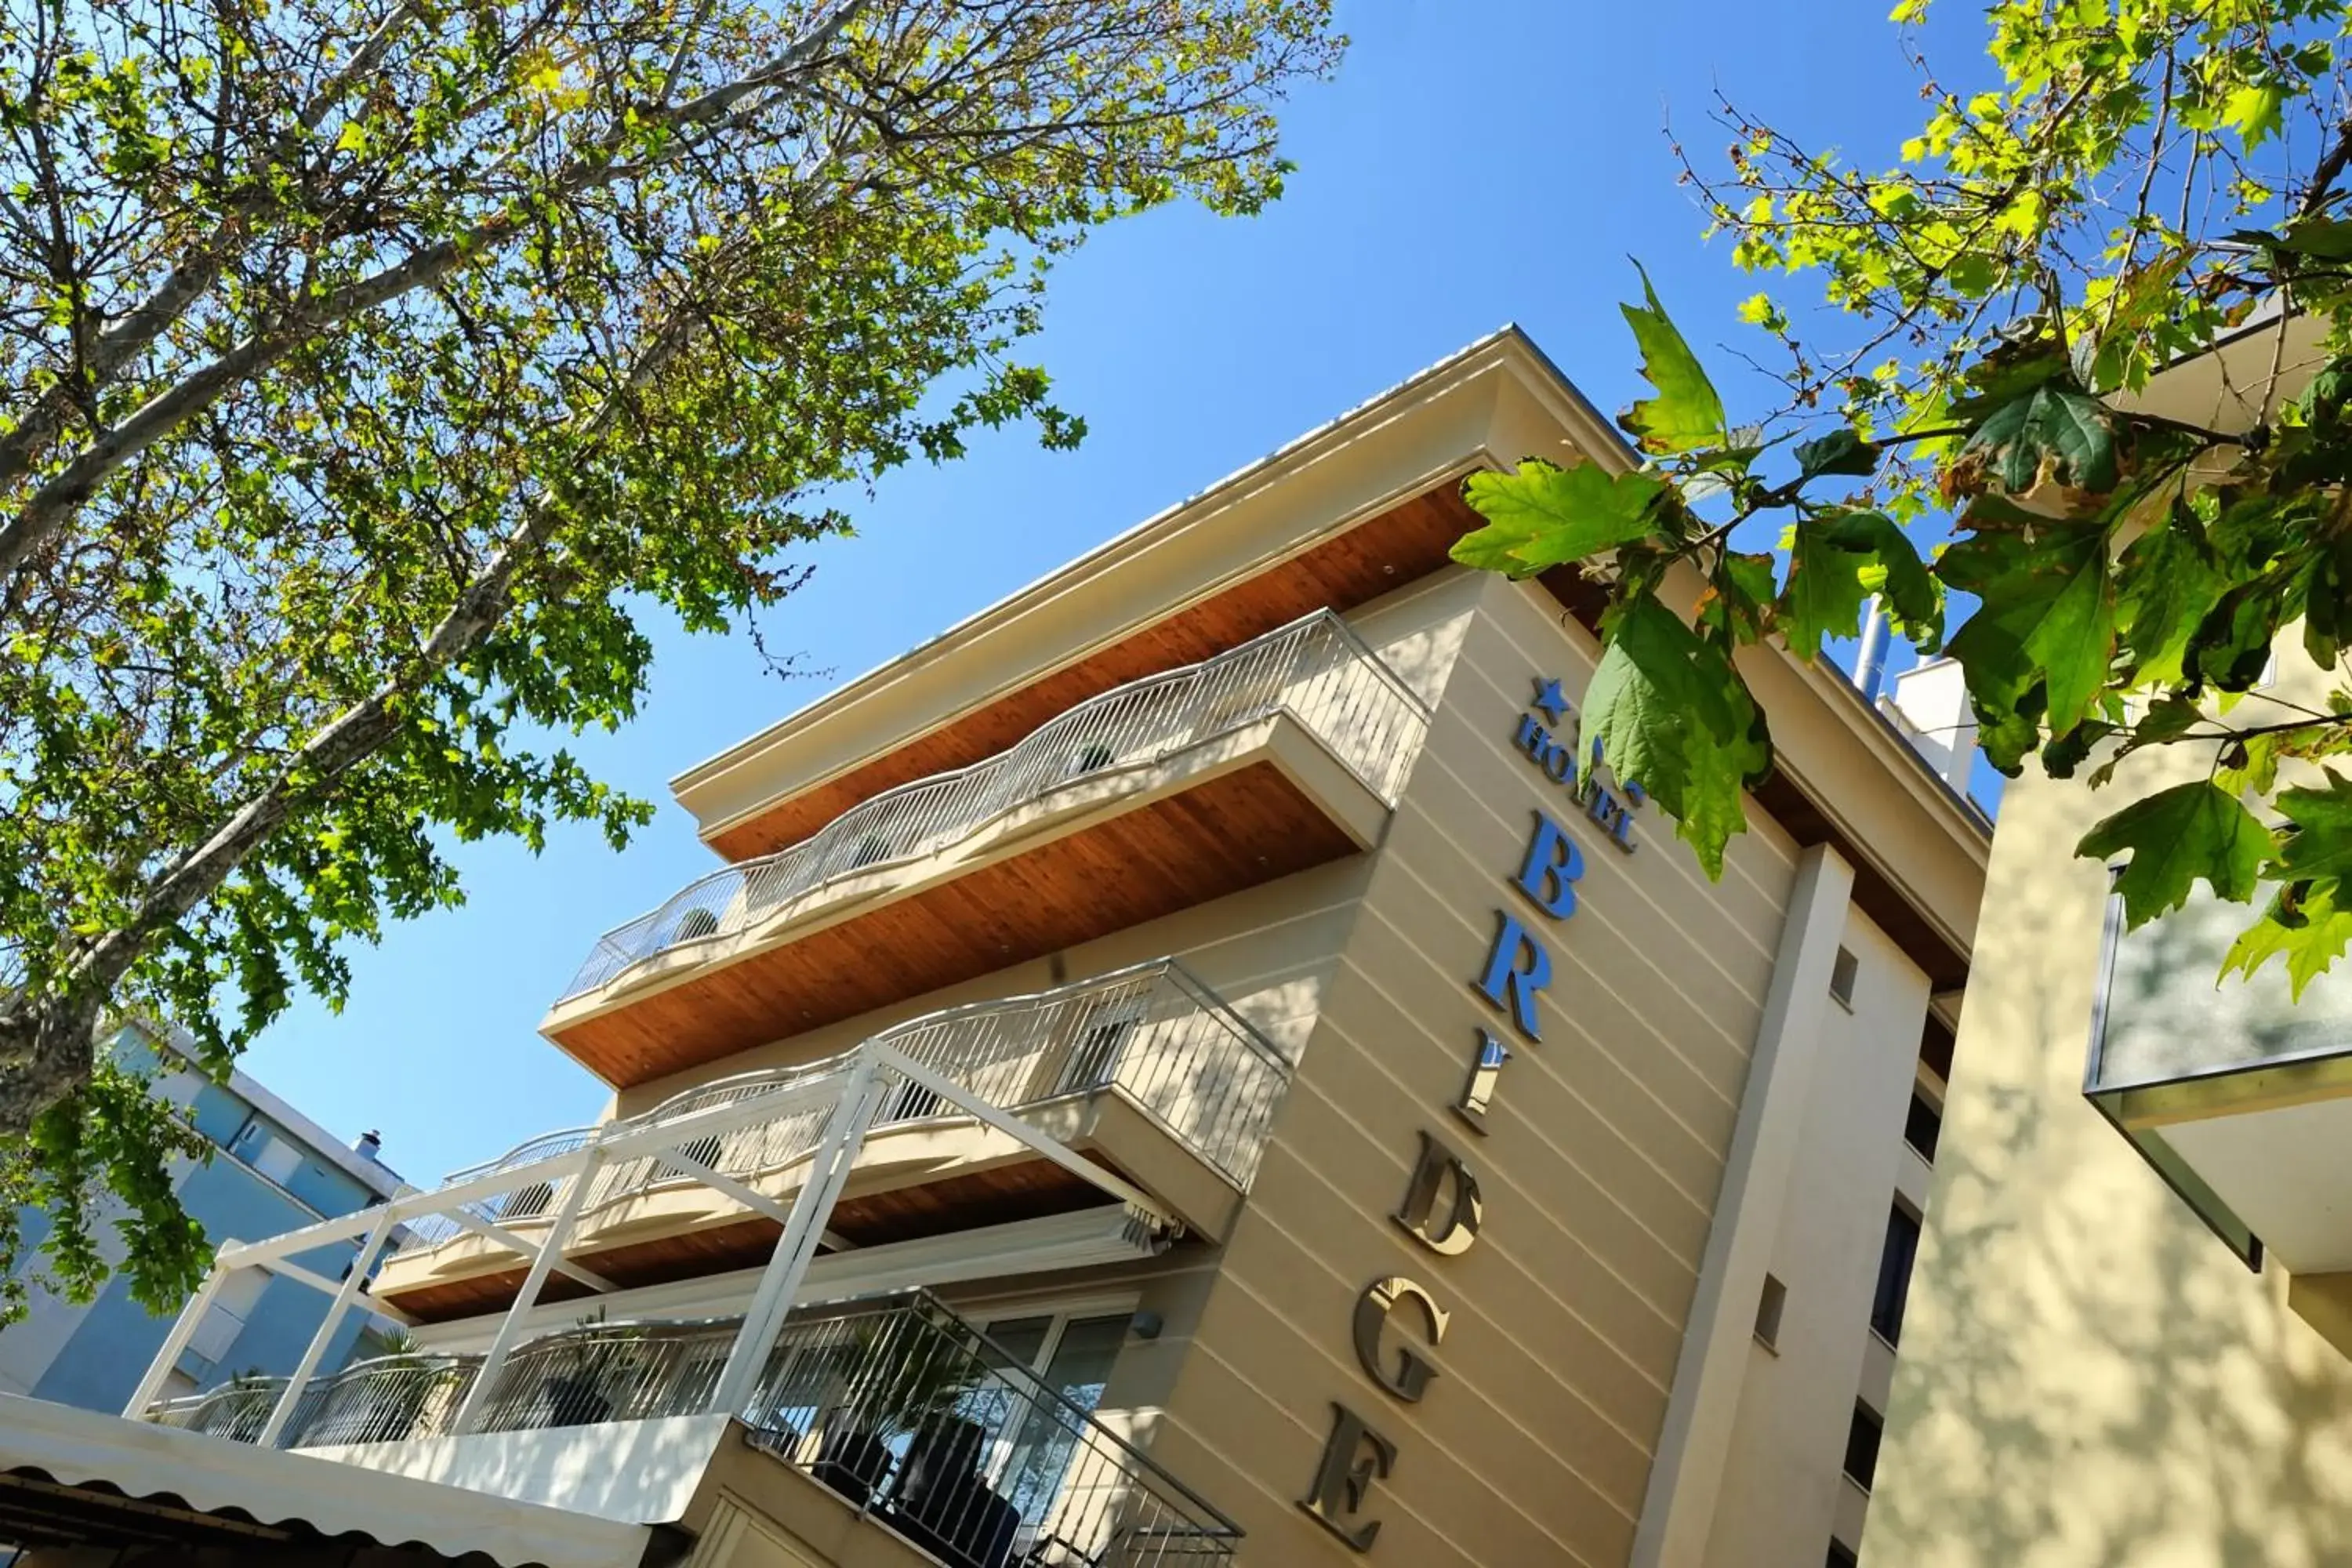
x,y
1782,1485
2088,1376
1600,1174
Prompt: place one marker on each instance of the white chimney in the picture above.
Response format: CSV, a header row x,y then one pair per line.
x,y
1930,705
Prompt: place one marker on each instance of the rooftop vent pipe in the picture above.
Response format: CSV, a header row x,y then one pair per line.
x,y
1869,662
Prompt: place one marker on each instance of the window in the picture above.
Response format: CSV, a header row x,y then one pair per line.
x,y
1895,1273
1768,1313
527,1202
1095,1054
267,1152
703,1151
1842,974
1935,1048
1861,1446
1031,1447
216,1332
1921,1126
1841,1554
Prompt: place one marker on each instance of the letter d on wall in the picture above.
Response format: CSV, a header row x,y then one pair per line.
x,y
1453,1236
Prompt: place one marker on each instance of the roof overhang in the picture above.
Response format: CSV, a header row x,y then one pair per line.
x,y
1430,429
1488,406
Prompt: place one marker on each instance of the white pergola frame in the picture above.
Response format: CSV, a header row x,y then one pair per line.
x,y
855,1085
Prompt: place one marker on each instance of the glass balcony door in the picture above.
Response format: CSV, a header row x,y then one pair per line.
x,y
1035,1450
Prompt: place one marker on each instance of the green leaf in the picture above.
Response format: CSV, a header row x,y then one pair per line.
x,y
2165,720
1909,593
1842,451
1825,594
1671,714
2047,620
1542,515
2252,112
2232,646
1837,560
2177,837
1687,414
2007,375
2309,931
2258,771
2166,585
2317,838
2049,433
2321,239
1742,586
2329,391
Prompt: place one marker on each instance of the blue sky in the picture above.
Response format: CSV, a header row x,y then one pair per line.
x,y
1475,161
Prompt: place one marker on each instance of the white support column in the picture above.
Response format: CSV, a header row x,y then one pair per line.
x,y
828,1172
183,1329
354,1281
1686,1475
558,1235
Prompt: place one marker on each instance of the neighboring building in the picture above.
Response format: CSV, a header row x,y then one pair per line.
x,y
2134,1311
272,1170
1170,1073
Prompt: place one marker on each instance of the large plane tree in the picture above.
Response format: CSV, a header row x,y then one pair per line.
x,y
367,367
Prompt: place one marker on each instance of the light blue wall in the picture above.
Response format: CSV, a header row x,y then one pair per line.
x,y
99,1366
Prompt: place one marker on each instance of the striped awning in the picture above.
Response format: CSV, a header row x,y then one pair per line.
x,y
71,1475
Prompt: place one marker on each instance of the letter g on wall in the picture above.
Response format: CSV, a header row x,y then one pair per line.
x,y
1408,1379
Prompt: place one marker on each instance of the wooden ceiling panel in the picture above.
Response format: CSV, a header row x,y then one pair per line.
x,y
1406,542
1227,833
1001,1194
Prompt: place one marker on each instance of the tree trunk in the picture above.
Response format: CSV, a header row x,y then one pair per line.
x,y
47,1051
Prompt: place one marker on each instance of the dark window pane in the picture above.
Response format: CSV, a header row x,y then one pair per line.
x,y
1862,1446
1840,1556
1895,1274
1935,1048
1922,1127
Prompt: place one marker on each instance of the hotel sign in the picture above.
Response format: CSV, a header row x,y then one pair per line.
x,y
1399,1321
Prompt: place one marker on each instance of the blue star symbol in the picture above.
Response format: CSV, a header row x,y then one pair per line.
x,y
1550,701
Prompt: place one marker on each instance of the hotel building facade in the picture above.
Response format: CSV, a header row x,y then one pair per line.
x,y
1173,1071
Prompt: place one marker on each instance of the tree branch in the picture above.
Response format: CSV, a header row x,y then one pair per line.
x,y
58,498
189,280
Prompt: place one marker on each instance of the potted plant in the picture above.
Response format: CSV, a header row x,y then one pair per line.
x,y
904,1378
575,1391
392,1395
1097,754
694,925
246,1400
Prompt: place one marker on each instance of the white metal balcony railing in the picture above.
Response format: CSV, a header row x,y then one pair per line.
x,y
897,1404
1316,668
1153,1032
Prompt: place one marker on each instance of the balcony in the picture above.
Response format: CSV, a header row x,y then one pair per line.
x,y
2240,1095
896,1408
1281,754
1146,1070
